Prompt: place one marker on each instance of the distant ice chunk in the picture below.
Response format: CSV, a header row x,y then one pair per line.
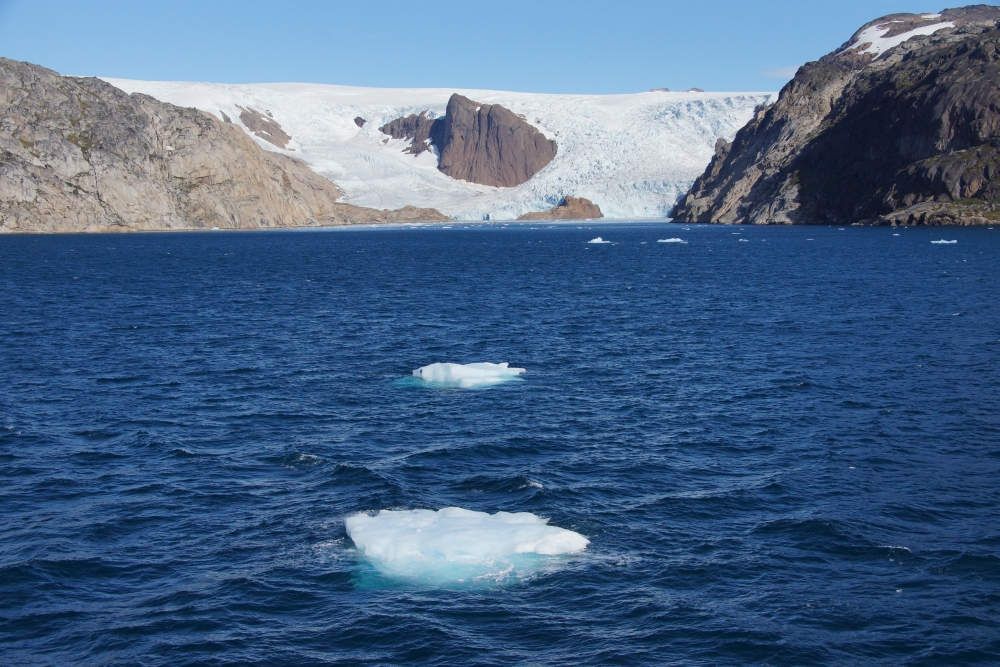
x,y
455,544
671,241
598,240
467,376
943,242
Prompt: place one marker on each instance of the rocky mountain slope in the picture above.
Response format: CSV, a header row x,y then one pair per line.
x,y
489,145
901,125
81,155
570,208
633,155
478,143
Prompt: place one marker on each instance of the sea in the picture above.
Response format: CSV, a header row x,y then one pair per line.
x,y
782,444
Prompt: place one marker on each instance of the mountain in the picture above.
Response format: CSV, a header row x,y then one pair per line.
x,y
632,155
900,125
78,154
478,143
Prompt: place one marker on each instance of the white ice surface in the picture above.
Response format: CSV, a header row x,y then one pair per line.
x,y
879,44
467,376
671,241
458,544
943,242
633,155
598,241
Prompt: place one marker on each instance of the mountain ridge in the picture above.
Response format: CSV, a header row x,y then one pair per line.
x,y
80,155
900,125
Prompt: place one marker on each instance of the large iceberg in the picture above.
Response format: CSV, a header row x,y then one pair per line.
x,y
455,544
467,376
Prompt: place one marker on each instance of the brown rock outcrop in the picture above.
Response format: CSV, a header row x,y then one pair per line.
x,y
79,155
487,144
571,208
911,136
264,127
359,121
479,143
421,130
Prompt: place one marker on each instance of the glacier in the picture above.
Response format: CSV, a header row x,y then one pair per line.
x,y
455,544
633,155
467,376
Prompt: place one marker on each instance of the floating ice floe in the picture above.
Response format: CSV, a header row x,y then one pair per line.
x,y
456,545
943,242
671,241
467,376
598,240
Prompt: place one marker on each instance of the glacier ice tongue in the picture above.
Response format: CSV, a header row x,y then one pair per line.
x,y
455,544
467,376
633,154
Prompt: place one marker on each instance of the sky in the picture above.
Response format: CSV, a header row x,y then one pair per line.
x,y
553,46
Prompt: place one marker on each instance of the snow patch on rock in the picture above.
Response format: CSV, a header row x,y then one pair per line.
x,y
877,44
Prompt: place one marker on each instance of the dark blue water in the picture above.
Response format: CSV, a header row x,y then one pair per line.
x,y
783,444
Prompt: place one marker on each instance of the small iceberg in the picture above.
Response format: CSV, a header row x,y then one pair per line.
x,y
671,241
458,545
467,376
943,242
598,240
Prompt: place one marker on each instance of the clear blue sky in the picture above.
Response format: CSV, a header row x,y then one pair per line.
x,y
584,46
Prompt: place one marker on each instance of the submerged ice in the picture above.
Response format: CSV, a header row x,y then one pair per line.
x,y
455,544
467,376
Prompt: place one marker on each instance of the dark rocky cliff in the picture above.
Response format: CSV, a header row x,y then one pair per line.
x,y
81,155
421,130
908,136
488,144
480,143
